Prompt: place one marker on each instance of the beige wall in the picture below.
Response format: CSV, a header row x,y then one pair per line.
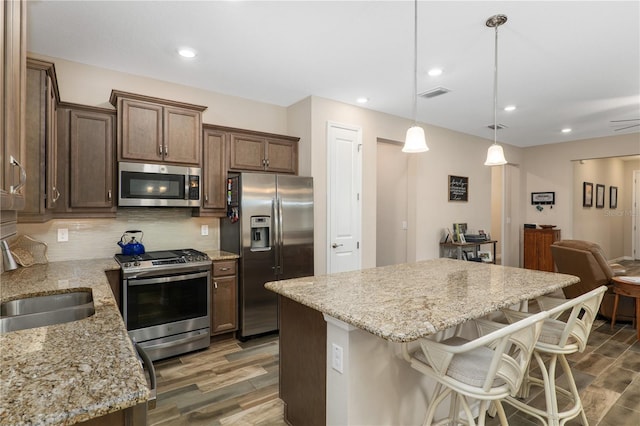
x,y
89,85
549,168
429,212
601,225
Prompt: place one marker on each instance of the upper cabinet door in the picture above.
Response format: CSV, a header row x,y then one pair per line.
x,y
182,140
141,131
91,154
13,77
214,171
282,156
247,152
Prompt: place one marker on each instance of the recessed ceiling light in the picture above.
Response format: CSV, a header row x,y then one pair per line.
x,y
566,130
362,100
510,108
434,72
187,52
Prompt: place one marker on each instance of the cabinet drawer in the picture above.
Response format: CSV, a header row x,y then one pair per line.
x,y
222,268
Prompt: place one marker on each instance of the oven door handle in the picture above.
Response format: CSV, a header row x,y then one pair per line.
x,y
146,362
161,280
174,343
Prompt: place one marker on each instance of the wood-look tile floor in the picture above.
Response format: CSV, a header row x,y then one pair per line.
x,y
230,383
236,383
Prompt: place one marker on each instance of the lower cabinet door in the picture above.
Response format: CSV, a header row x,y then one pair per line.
x,y
224,302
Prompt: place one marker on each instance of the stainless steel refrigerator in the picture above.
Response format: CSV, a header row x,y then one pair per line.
x,y
270,225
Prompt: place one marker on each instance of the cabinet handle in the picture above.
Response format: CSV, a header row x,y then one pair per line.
x,y
267,162
109,195
160,150
23,176
215,285
206,198
166,151
56,195
224,269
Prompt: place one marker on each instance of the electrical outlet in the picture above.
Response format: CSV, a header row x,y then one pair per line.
x,y
405,225
204,230
336,357
63,235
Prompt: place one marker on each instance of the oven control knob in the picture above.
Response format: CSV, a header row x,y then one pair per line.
x,y
126,265
136,263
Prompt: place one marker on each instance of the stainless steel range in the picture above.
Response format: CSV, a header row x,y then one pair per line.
x,y
166,300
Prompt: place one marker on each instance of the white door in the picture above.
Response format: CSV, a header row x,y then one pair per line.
x,y
635,209
344,157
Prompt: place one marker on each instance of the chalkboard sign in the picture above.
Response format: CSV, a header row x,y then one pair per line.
x,y
458,188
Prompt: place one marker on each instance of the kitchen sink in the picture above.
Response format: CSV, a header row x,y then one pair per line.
x,y
39,311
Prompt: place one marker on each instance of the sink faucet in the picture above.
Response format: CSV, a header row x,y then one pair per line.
x,y
8,262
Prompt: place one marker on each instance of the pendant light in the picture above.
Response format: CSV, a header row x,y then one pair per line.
x,y
415,140
495,154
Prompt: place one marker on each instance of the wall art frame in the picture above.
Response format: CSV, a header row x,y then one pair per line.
x,y
613,197
599,196
587,194
458,188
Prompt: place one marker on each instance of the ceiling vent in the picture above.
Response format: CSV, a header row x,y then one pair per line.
x,y
500,126
432,93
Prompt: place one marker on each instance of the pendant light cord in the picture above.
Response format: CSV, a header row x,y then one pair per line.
x,y
415,63
495,91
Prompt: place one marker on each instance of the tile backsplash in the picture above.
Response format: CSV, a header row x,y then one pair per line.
x,y
164,228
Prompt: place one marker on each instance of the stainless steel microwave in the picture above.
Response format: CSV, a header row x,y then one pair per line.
x,y
158,185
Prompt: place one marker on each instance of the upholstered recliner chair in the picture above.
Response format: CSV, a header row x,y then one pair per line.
x,y
587,261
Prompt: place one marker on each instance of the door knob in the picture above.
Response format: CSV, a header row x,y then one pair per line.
x,y
334,245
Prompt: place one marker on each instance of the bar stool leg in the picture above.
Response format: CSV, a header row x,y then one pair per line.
x,y
615,310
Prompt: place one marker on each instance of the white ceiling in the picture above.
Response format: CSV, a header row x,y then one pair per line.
x,y
563,63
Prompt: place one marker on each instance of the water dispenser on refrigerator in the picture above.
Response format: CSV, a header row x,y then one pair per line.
x,y
260,233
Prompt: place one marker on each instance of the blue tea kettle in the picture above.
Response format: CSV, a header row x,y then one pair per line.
x,y
131,247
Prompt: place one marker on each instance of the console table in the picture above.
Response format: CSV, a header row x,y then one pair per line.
x,y
471,244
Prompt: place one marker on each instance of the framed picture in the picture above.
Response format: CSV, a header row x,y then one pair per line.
x,y
458,188
587,194
486,256
613,197
599,196
543,198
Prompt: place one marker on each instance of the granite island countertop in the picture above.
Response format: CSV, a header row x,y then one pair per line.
x,y
67,373
402,303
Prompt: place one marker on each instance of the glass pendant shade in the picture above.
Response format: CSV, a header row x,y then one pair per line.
x,y
415,140
495,156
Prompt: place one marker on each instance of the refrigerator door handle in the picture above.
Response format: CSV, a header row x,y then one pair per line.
x,y
280,238
275,236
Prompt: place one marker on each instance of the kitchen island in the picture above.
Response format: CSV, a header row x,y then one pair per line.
x,y
346,330
68,373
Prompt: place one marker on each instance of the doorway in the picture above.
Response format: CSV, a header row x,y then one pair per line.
x,y
391,203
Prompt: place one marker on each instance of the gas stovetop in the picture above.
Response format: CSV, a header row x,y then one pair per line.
x,y
157,260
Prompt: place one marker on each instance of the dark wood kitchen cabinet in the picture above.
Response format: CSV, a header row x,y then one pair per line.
x,y
255,151
224,297
537,248
157,130
13,75
41,142
86,161
214,173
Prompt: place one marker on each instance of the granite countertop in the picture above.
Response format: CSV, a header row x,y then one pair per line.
x,y
402,303
216,255
67,373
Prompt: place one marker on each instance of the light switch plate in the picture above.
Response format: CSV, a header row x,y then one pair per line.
x,y
336,357
204,230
